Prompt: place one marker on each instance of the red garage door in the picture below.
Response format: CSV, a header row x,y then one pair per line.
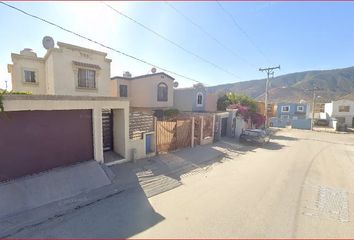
x,y
35,141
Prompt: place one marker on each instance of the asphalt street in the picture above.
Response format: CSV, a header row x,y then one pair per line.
x,y
299,186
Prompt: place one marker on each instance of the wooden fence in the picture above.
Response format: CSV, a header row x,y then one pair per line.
x,y
173,134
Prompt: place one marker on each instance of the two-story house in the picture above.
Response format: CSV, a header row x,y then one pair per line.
x,y
151,93
342,110
296,115
71,115
194,99
286,111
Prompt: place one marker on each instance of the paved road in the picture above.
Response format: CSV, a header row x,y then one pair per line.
x,y
301,185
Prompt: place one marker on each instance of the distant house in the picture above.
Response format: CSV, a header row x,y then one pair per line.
x,y
293,111
271,111
296,115
194,99
151,93
342,110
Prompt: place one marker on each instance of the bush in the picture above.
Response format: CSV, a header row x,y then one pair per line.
x,y
171,112
5,92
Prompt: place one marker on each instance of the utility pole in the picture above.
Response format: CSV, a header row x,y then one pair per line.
x,y
314,89
269,71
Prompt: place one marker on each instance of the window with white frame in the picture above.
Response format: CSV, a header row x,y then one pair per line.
x,y
300,108
86,78
199,99
162,92
29,76
343,108
285,108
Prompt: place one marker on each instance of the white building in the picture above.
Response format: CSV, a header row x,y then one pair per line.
x,y
342,110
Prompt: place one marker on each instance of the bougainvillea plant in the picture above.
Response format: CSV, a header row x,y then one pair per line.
x,y
257,119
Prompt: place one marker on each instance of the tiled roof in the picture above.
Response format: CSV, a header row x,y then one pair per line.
x,y
142,76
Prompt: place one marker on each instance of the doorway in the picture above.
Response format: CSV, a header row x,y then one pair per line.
x,y
223,127
107,129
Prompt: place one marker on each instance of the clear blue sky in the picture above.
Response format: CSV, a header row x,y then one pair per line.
x,y
297,35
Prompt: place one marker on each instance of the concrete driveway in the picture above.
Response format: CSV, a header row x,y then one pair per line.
x,y
299,186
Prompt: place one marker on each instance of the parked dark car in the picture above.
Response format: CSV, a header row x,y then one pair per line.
x,y
321,122
255,136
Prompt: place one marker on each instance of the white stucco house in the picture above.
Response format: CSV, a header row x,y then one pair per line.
x,y
342,110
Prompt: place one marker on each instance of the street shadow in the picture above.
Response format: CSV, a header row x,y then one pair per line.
x,y
122,214
281,137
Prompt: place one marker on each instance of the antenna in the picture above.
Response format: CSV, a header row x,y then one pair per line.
x,y
153,70
48,42
175,84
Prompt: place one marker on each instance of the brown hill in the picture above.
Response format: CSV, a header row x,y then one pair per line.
x,y
336,83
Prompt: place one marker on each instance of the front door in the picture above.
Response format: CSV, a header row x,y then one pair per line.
x,y
107,129
223,127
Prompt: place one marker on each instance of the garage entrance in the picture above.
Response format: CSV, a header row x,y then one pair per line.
x,y
36,141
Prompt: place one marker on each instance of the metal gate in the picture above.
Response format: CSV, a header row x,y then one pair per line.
x,y
172,135
107,129
36,141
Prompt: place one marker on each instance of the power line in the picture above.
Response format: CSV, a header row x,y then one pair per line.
x,y
207,33
238,26
171,42
98,43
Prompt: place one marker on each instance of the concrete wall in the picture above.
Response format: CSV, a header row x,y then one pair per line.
x,y
294,123
120,131
301,124
332,110
57,74
240,126
211,102
183,99
41,102
140,147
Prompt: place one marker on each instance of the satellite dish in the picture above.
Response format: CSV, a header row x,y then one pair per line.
x,y
153,70
48,42
175,84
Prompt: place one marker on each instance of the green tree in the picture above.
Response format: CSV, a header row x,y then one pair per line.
x,y
232,98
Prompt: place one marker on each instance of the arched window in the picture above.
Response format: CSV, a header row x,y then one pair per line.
x,y
200,99
162,92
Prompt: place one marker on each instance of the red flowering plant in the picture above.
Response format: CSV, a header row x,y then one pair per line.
x,y
247,113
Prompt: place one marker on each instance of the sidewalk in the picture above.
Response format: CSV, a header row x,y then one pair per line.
x,y
155,175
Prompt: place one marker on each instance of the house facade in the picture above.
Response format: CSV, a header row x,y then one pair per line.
x,y
147,93
287,111
70,116
66,70
342,110
194,99
271,110
296,115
